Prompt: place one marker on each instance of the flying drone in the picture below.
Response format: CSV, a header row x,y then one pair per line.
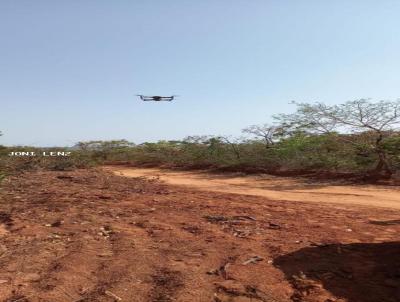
x,y
156,98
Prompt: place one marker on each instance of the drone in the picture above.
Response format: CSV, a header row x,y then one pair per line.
x,y
156,98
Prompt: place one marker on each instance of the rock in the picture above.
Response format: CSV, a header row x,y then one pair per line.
x,y
273,226
254,259
106,231
56,223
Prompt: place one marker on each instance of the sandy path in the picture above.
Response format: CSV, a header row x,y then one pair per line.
x,y
272,187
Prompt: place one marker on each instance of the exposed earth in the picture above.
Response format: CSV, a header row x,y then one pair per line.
x,y
273,187
93,235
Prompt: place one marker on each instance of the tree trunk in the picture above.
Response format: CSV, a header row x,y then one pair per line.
x,y
383,166
382,169
236,151
268,143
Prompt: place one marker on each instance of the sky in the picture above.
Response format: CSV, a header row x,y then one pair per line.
x,y
70,70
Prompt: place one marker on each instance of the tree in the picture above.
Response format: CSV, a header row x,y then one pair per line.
x,y
233,143
268,133
103,145
372,121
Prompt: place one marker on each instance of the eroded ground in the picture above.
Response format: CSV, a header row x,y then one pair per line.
x,y
95,236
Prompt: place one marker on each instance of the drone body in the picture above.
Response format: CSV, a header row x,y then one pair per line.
x,y
156,98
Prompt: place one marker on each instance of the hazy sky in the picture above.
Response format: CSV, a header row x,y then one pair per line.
x,y
69,70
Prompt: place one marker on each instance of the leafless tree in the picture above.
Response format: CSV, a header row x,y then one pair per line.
x,y
268,133
103,145
197,139
375,120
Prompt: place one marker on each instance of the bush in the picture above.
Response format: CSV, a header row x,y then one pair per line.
x,y
14,164
296,152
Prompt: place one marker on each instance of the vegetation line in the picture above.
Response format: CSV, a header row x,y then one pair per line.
x,y
358,137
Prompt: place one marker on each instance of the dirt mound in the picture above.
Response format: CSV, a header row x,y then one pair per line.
x,y
94,236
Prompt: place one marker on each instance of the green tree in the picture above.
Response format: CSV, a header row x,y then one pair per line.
x,y
363,123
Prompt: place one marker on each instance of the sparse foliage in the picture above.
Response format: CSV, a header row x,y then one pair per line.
x,y
362,123
359,137
268,133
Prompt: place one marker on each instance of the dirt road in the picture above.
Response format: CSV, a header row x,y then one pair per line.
x,y
274,188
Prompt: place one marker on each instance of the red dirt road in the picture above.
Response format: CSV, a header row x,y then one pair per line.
x,y
90,235
273,187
